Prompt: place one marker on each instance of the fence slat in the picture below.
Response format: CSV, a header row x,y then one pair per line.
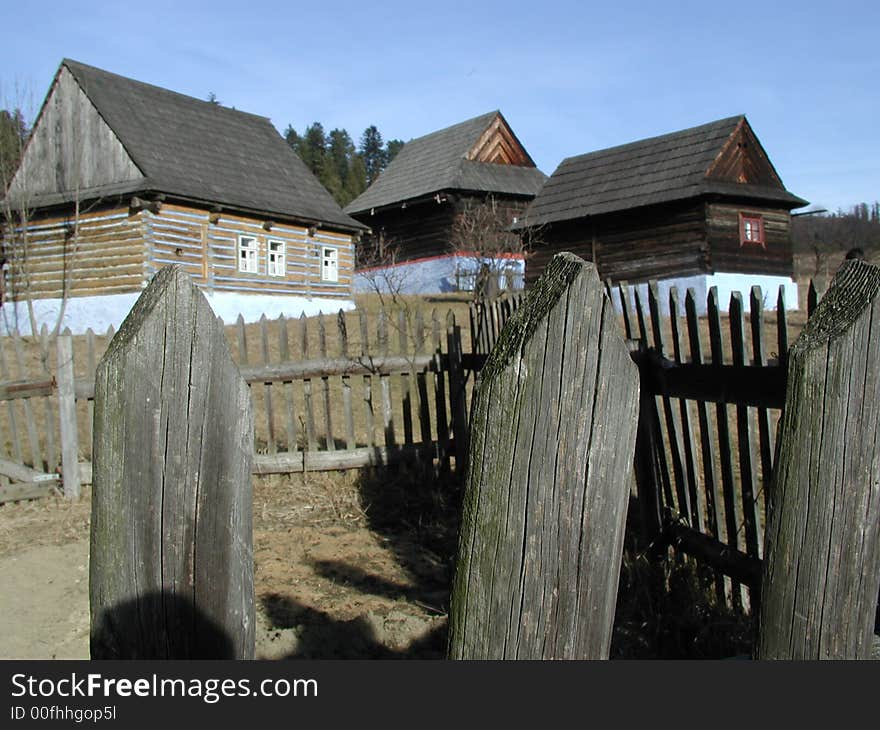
x,y
242,341
443,434
311,442
422,389
541,543
67,417
673,430
821,571
171,558
49,428
710,475
626,309
384,384
350,442
725,452
325,388
745,434
406,379
710,478
782,326
287,386
10,409
765,431
92,361
660,456
369,417
687,431
267,388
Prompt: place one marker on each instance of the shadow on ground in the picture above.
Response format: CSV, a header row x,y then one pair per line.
x,y
415,513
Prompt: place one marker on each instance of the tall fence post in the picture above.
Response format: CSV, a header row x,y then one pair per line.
x,y
547,489
822,554
67,417
171,542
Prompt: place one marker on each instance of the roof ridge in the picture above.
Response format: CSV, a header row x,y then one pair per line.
x,y
454,126
89,68
658,137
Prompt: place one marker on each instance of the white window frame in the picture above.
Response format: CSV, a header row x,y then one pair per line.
x,y
329,263
248,255
276,260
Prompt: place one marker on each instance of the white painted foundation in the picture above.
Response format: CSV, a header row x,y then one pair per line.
x,y
725,283
99,313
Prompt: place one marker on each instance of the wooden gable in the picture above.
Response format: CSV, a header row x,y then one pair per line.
x,y
743,160
72,147
498,145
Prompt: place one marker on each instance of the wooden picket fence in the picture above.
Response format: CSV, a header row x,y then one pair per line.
x,y
330,392
487,317
713,387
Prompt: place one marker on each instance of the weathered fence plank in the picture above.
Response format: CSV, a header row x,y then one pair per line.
x,y
284,356
440,393
267,389
765,431
11,410
554,428
710,473
350,441
49,416
171,567
687,430
67,417
745,434
822,554
368,386
725,452
311,440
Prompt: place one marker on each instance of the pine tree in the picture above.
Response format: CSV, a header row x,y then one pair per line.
x,y
313,147
292,138
371,149
340,150
13,135
356,180
392,147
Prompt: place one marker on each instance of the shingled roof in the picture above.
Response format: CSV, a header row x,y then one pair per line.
x,y
205,152
439,162
657,170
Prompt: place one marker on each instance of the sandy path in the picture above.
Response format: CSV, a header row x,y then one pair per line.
x,y
44,603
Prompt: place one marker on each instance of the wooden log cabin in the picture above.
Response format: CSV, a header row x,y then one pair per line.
x,y
696,208
413,206
120,178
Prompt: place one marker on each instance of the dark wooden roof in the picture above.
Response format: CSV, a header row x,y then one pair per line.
x,y
673,166
440,161
206,152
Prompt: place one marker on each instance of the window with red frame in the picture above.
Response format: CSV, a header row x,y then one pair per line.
x,y
751,230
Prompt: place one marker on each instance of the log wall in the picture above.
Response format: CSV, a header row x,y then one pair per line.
x,y
670,240
115,250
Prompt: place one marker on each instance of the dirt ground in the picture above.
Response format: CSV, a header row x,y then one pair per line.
x,y
338,573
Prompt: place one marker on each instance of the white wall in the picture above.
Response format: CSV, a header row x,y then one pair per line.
x,y
98,313
725,283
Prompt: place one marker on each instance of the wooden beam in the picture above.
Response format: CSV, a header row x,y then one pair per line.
x,y
22,473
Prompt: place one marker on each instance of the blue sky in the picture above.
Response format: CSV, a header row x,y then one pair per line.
x,y
570,77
